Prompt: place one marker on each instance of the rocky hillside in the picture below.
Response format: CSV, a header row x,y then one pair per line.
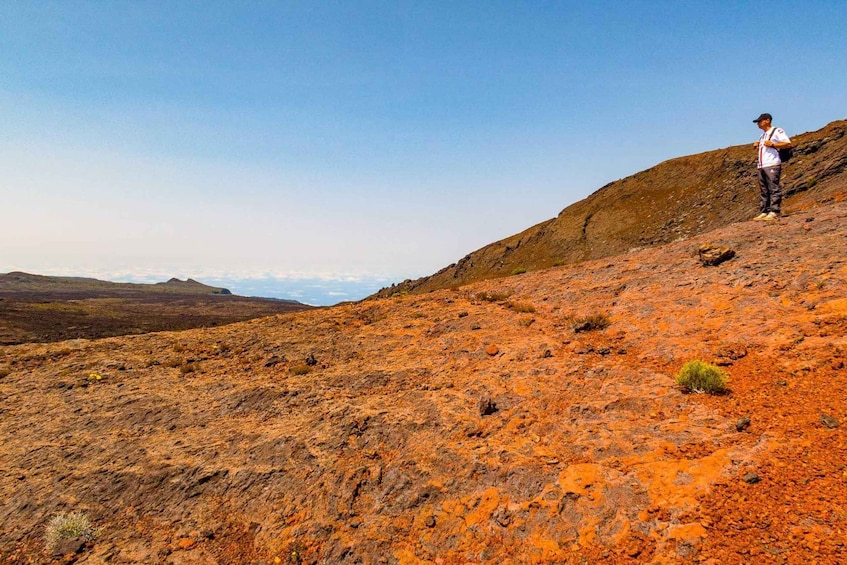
x,y
673,200
490,424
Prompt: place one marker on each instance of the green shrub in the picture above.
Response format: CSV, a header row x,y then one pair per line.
x,y
68,526
591,323
519,271
699,376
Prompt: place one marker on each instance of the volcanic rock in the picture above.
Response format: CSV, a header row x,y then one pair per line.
x,y
829,421
588,457
711,255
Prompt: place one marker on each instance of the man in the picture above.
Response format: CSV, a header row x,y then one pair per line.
x,y
770,167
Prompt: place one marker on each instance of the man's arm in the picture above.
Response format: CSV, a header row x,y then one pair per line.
x,y
779,140
777,144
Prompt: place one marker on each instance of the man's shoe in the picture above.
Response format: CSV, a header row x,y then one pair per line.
x,y
772,216
761,216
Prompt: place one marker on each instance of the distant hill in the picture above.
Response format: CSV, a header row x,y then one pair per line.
x,y
676,199
17,281
38,308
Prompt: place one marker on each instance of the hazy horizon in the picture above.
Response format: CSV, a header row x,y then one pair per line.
x,y
314,290
379,141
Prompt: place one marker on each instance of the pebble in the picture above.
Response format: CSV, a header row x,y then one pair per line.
x,y
829,421
751,478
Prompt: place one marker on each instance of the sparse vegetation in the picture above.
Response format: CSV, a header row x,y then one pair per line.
x,y
699,376
519,271
67,527
493,296
591,323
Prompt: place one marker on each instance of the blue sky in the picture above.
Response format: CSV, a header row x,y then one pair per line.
x,y
369,141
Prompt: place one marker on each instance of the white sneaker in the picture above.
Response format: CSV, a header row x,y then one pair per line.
x,y
772,216
761,216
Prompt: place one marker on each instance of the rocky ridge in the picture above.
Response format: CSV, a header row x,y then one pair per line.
x,y
18,281
473,425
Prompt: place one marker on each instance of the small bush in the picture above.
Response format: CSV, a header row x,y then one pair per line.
x,y
699,376
519,271
591,323
68,526
493,296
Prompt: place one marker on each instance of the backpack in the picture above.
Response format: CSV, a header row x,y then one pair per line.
x,y
786,154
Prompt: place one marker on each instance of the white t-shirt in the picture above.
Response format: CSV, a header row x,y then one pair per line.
x,y
769,156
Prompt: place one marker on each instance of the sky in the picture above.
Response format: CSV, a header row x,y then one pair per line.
x,y
346,145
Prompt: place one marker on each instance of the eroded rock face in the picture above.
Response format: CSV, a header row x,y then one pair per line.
x,y
407,441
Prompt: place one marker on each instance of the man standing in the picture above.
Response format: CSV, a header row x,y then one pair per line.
x,y
770,167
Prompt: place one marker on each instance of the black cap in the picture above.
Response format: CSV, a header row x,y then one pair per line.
x,y
765,116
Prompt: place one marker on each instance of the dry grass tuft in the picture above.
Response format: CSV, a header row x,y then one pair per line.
x,y
67,527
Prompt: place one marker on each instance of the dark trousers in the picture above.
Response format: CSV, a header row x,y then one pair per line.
x,y
769,189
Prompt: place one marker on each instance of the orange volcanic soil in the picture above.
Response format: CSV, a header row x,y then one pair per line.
x,y
462,426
